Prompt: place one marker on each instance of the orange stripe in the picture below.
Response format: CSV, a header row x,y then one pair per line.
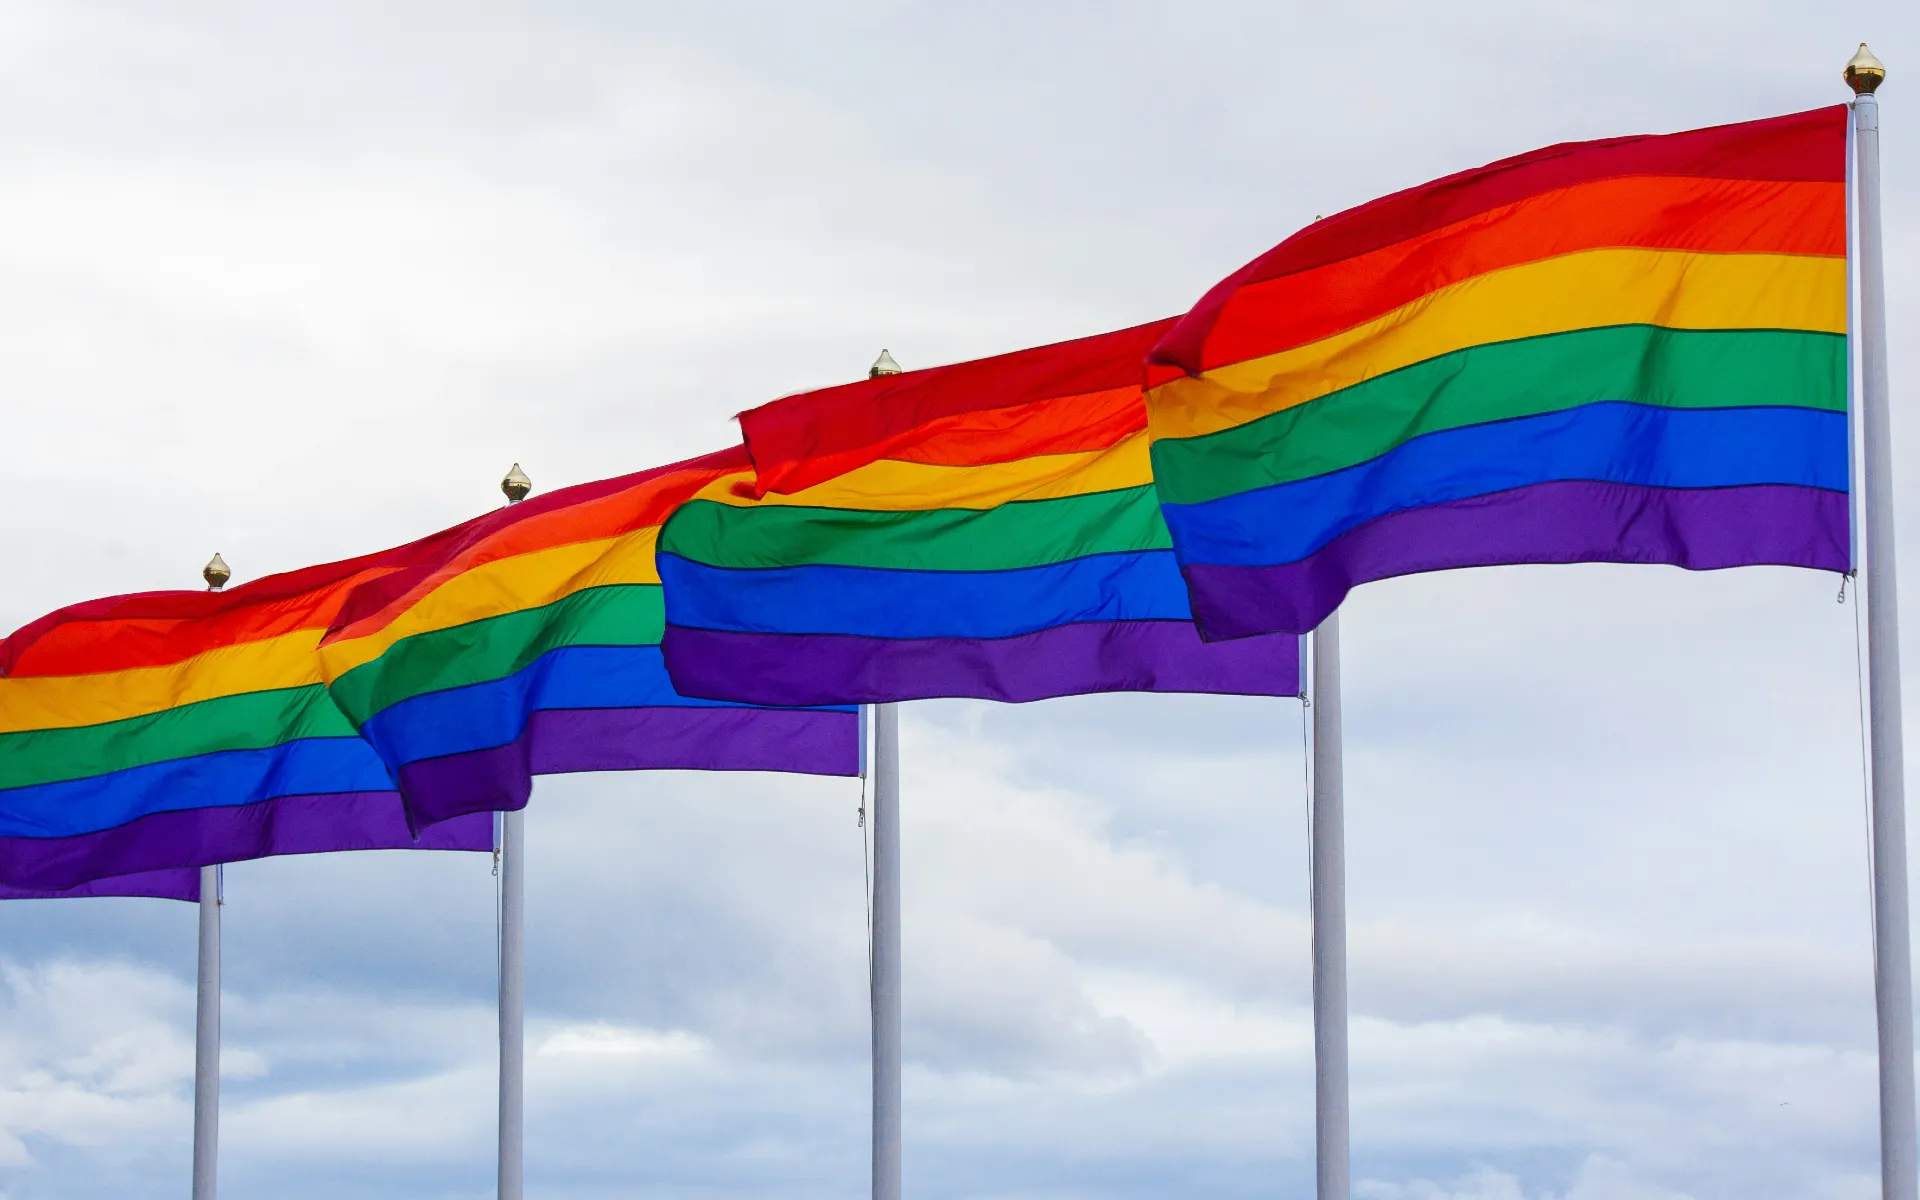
x,y
86,644
805,439
646,505
1066,425
1703,215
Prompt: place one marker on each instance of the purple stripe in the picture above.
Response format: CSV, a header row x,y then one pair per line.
x,y
160,885
1701,529
198,837
1113,656
561,741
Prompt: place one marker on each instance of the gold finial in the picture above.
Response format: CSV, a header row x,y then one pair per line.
x,y
216,573
1864,72
884,365
516,485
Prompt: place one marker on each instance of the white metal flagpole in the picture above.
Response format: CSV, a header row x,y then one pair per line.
x,y
206,1022
1329,917
513,1019
884,976
513,965
206,1042
1892,959
886,952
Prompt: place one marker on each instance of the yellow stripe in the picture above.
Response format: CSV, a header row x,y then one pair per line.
x,y
62,701
891,486
504,586
1675,289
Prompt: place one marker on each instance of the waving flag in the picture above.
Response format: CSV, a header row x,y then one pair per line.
x,y
1620,351
181,729
527,642
987,529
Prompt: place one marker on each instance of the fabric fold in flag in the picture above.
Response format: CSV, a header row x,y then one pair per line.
x,y
181,729
987,529
527,642
1630,350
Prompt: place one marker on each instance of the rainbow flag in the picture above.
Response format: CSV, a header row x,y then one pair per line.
x,y
987,529
179,729
527,642
1620,351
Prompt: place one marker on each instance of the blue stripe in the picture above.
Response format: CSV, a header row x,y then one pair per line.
x,y
874,602
484,715
311,766
1606,443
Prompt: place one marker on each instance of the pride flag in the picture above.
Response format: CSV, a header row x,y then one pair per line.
x,y
527,642
1619,351
179,729
987,529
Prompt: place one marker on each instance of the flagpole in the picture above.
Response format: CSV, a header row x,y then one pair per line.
x,y
206,1024
206,1042
886,952
884,973
1892,962
513,965
1329,920
513,1044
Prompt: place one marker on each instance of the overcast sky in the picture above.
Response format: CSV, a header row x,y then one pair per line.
x,y
294,282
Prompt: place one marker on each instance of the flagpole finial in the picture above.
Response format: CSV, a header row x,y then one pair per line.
x,y
516,485
216,573
1864,73
884,365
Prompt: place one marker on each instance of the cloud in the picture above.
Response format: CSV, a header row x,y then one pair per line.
x,y
90,1054
1598,1178
1482,1183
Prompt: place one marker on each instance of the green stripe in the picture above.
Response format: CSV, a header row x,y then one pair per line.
x,y
1024,533
252,721
1640,364
496,647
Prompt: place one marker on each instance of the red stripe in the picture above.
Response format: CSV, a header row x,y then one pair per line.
x,y
810,438
585,512
152,629
1068,425
1801,147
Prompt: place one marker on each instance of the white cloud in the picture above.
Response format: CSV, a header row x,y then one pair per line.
x,y
1598,1178
90,1055
601,1040
1482,1183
